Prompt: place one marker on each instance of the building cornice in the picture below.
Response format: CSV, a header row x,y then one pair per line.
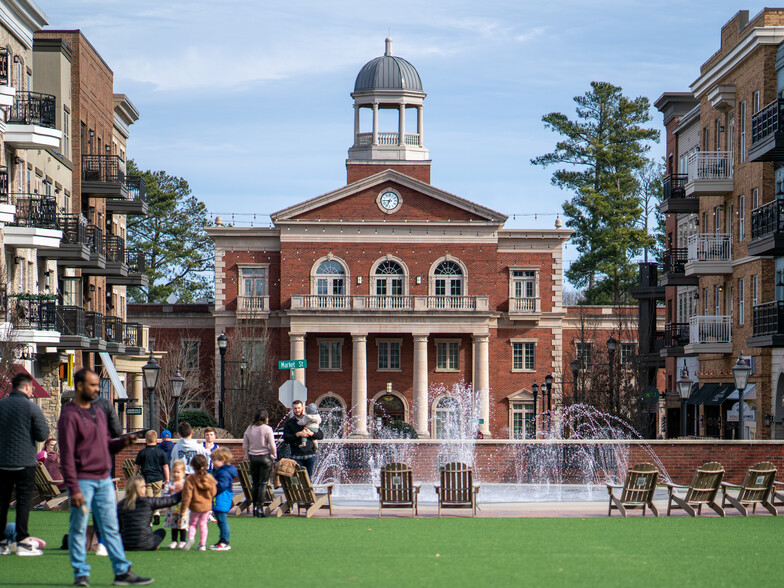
x,y
22,18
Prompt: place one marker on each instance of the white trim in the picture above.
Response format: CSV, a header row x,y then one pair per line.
x,y
399,341
372,403
399,200
447,340
319,341
314,278
431,285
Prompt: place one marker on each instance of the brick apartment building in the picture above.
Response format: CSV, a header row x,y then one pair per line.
x,y
722,272
390,287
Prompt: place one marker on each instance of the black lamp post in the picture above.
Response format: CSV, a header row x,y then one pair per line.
x,y
177,383
223,342
548,381
535,390
151,370
684,389
612,344
575,375
741,372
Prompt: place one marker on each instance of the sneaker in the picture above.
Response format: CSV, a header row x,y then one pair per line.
x,y
131,579
188,544
213,519
5,549
181,545
101,550
201,548
173,545
220,546
156,520
82,581
27,549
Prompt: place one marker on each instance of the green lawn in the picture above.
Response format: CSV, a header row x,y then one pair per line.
x,y
636,552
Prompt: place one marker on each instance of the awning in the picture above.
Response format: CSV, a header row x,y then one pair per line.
x,y
720,395
108,365
5,386
698,396
750,393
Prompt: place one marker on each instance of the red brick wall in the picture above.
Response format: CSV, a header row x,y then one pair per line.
x,y
356,172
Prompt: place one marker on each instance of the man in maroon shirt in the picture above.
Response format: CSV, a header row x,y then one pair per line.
x,y
85,458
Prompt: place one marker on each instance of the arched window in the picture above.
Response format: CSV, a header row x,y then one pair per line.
x,y
448,284
389,285
388,409
329,284
332,417
447,418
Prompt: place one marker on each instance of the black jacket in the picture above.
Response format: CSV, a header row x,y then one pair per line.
x,y
112,420
135,528
21,424
290,430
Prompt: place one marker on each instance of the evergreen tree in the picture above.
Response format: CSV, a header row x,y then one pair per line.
x,y
603,149
179,255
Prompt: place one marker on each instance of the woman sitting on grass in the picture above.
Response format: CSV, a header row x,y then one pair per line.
x,y
135,513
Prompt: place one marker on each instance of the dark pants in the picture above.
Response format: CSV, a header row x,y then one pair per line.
x,y
260,469
158,536
308,462
223,525
23,481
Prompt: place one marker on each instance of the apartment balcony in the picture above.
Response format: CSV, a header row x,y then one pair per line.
x,y
7,92
250,307
525,308
768,325
674,268
710,254
676,337
767,133
93,323
103,176
674,197
709,334
114,250
31,122
32,318
7,208
135,202
767,229
653,357
709,173
113,332
133,338
72,324
74,250
389,304
134,275
35,222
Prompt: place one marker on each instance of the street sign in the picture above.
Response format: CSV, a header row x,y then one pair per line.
x,y
133,411
292,364
292,390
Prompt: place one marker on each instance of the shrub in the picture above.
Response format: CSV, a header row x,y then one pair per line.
x,y
197,418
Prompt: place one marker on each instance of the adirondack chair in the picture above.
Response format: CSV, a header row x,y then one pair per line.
x,y
246,500
637,490
457,488
397,489
52,497
777,494
127,468
756,488
299,492
702,491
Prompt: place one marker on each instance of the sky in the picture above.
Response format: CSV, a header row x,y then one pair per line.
x,y
249,100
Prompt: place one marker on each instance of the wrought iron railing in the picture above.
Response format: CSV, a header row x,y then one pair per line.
x,y
768,319
137,189
674,186
135,260
95,239
3,300
35,211
115,249
103,168
674,260
3,184
5,60
93,322
676,334
33,108
133,335
32,312
112,329
766,122
768,218
74,228
71,321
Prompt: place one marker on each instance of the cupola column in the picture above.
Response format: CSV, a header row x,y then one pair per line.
x,y
375,124
420,123
401,125
356,124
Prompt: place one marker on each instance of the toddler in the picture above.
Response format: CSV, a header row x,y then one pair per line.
x,y
310,420
224,475
178,516
197,494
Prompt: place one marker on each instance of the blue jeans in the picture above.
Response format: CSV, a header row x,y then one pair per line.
x,y
308,462
98,495
223,525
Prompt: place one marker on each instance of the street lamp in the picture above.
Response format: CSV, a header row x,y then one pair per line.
x,y
575,374
535,390
150,371
740,372
548,381
177,382
684,389
223,342
612,344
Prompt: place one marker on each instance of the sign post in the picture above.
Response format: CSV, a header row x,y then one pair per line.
x,y
292,389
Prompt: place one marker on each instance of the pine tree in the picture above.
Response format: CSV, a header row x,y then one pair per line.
x,y
603,149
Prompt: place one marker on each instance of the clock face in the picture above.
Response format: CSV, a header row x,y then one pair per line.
x,y
389,201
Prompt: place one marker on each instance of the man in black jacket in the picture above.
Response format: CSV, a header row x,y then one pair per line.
x,y
293,434
21,424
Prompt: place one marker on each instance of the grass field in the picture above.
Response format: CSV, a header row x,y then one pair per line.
x,y
444,552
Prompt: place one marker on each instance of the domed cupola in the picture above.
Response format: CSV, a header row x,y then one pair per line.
x,y
388,83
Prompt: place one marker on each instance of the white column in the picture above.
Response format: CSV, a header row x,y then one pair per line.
x,y
375,124
137,393
482,380
420,124
297,341
359,386
401,125
421,419
356,125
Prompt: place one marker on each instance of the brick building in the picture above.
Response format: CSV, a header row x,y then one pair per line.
x,y
721,197
390,287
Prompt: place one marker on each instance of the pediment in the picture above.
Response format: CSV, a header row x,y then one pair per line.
x,y
522,395
358,201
